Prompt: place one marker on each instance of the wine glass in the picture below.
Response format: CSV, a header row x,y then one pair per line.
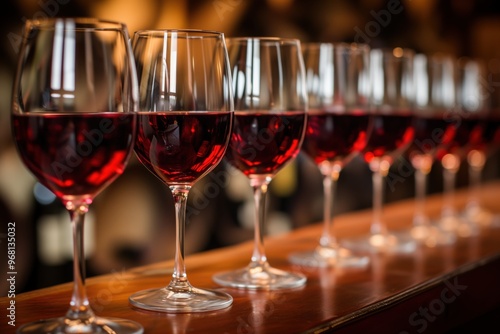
x,y
476,98
475,211
270,122
434,133
337,80
492,129
468,117
72,120
391,133
184,126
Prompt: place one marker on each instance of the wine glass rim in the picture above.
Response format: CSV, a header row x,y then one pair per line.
x,y
336,45
181,33
397,52
469,60
436,56
85,23
271,39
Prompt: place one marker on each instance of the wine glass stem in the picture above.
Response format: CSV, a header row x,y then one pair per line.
x,y
79,306
449,176
179,280
259,258
330,178
476,160
420,193
378,226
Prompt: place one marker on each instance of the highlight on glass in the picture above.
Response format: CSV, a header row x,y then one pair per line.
x,y
73,121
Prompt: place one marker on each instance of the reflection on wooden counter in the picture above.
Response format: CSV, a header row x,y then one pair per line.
x,y
431,290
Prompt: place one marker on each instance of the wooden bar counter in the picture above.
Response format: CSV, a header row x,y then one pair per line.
x,y
431,290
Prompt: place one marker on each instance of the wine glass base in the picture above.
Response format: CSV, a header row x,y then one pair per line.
x,y
382,243
495,221
329,257
98,326
479,216
432,236
458,225
260,277
185,301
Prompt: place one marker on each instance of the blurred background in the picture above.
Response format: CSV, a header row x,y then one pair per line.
x,y
132,223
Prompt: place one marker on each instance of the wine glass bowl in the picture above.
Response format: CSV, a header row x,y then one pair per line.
x,y
270,118
74,95
184,126
337,80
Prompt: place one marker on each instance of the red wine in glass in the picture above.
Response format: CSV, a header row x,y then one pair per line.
x,y
261,143
491,132
433,135
468,135
181,147
389,134
331,135
75,154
